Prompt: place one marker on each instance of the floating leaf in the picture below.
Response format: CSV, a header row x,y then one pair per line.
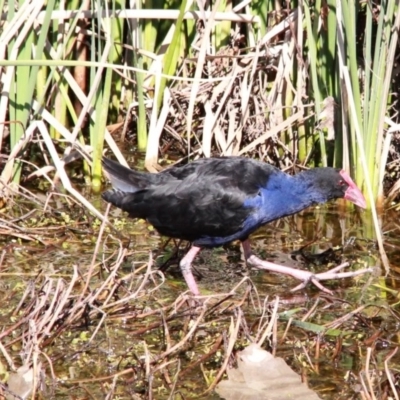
x,y
262,376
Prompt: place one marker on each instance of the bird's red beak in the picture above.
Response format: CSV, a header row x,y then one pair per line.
x,y
353,193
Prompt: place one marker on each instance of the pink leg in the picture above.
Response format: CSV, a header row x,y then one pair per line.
x,y
186,268
302,275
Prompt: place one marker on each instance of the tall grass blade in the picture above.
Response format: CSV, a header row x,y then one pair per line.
x,y
23,87
174,50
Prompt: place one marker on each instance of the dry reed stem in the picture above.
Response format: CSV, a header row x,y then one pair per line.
x,y
289,323
7,357
156,128
310,363
311,310
233,334
367,375
175,380
216,346
339,321
182,342
389,375
268,331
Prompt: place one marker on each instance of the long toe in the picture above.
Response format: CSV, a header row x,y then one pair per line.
x,y
331,275
314,281
307,277
334,274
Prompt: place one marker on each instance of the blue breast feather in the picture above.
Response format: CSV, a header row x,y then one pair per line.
x,y
279,198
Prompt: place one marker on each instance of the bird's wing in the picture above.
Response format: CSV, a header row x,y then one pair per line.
x,y
241,173
190,210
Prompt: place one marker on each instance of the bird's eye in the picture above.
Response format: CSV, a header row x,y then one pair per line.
x,y
342,182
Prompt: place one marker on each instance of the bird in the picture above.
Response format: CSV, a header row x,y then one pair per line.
x,y
210,202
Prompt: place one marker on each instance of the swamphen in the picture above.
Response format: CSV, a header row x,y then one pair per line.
x,y
213,201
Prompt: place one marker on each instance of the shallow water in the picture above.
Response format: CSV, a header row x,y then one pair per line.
x,y
131,337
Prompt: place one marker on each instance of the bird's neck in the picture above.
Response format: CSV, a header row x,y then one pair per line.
x,y
289,195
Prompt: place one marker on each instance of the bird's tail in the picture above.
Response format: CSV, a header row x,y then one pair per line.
x,y
125,179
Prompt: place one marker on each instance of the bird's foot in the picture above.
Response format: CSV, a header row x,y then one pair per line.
x,y
306,276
